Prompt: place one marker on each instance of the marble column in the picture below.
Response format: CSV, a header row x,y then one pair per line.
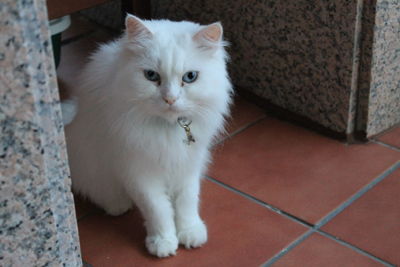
x,y
37,217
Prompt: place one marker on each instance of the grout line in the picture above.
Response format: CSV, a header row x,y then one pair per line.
x,y
395,148
303,237
357,195
323,221
350,246
312,228
326,219
238,131
291,246
262,203
248,125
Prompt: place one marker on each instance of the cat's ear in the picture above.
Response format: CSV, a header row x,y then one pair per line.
x,y
210,36
135,29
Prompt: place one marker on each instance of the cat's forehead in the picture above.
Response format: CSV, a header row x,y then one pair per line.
x,y
173,51
173,35
174,56
167,27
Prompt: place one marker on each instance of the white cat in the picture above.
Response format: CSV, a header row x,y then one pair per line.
x,y
130,142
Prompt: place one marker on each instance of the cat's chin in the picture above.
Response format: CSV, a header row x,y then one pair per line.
x,y
171,117
172,114
173,109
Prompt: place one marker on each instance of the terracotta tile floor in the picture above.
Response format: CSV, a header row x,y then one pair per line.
x,y
275,195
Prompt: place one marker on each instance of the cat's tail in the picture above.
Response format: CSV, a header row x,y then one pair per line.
x,y
69,108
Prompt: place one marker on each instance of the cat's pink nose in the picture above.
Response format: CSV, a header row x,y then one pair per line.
x,y
169,100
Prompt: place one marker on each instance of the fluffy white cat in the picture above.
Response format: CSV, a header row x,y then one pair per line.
x,y
130,141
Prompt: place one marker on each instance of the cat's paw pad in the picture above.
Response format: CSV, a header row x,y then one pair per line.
x,y
194,236
162,246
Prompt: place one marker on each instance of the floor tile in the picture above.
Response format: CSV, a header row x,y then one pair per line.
x,y
317,251
241,233
243,113
392,137
296,170
373,221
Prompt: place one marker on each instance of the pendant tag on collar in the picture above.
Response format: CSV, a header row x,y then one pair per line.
x,y
185,124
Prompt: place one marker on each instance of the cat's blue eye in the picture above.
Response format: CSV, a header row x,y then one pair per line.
x,y
190,76
151,75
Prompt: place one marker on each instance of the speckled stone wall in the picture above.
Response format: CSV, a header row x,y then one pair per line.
x,y
37,216
308,57
384,95
296,54
379,73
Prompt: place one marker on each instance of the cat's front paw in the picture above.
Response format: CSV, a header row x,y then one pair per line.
x,y
193,236
162,246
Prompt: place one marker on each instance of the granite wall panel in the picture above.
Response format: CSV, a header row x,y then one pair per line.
x,y
384,95
296,54
319,59
37,215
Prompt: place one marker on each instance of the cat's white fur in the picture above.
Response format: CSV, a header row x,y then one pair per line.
x,y
125,145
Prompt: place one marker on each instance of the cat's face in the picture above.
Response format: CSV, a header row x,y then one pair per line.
x,y
176,68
